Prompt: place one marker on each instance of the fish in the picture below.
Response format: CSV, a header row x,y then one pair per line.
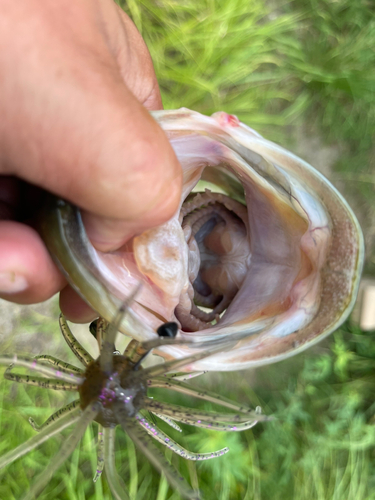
x,y
263,249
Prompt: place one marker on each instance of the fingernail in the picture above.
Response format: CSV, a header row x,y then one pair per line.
x,y
12,282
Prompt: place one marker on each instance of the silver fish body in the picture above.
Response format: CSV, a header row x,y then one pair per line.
x,y
263,249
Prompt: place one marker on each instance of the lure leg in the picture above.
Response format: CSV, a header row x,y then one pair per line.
x,y
76,348
58,363
208,349
152,453
100,454
186,376
40,438
134,351
169,421
40,368
66,450
55,416
98,328
159,435
197,393
57,385
185,418
218,426
176,412
117,486
108,343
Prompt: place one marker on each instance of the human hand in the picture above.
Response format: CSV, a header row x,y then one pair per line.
x,y
76,79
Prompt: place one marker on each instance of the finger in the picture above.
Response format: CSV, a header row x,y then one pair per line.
x,y
86,138
27,273
140,76
123,172
9,197
74,308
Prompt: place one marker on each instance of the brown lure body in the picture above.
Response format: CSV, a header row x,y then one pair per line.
x,y
97,385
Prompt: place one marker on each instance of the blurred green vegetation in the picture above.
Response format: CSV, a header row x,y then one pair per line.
x,y
278,65
319,446
269,64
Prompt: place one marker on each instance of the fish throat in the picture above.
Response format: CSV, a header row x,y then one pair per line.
x,y
217,235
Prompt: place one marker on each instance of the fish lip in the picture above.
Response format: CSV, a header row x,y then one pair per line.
x,y
179,122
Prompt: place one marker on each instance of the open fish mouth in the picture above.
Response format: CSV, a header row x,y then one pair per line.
x,y
263,245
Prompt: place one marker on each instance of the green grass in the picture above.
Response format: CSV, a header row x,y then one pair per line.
x,y
320,445
268,63
212,55
278,65
324,436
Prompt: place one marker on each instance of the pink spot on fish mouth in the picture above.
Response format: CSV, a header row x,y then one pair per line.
x,y
226,120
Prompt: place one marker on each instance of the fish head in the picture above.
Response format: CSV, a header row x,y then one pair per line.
x,y
262,249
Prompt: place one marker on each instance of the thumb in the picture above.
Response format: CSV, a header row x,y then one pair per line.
x,y
87,139
136,183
